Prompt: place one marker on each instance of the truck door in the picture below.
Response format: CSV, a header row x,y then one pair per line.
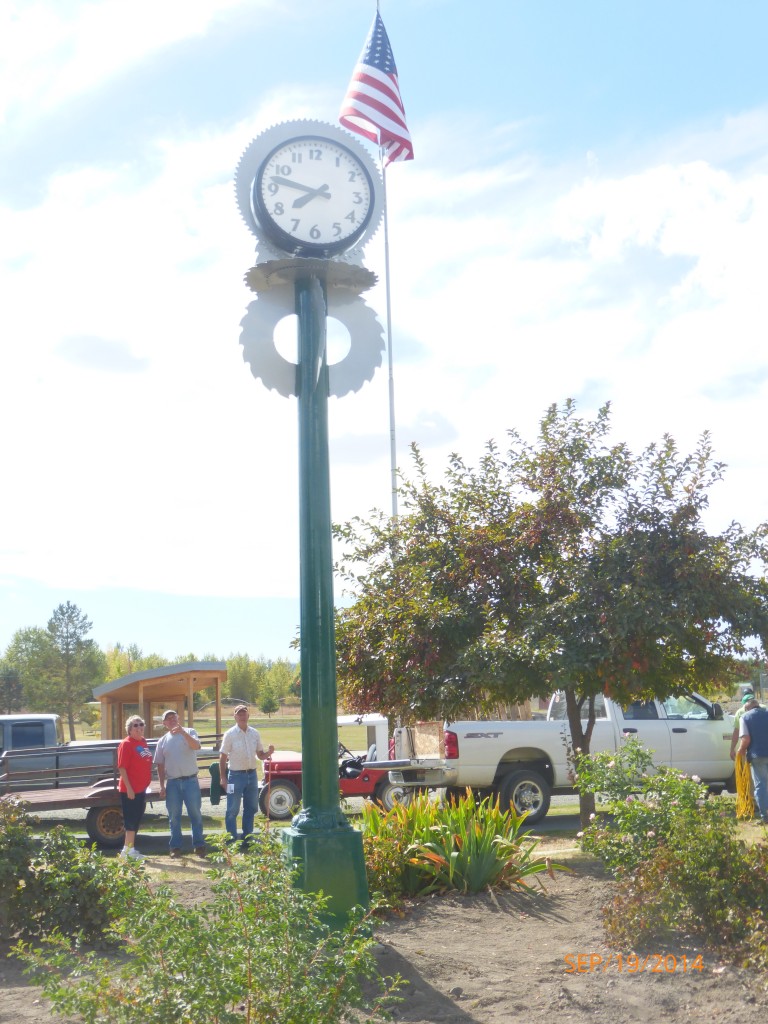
x,y
700,744
641,720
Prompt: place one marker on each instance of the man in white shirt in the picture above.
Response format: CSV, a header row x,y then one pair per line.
x,y
241,745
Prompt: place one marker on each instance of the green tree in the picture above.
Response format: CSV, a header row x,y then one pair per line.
x,y
58,666
269,703
122,661
568,563
11,691
245,677
279,677
32,654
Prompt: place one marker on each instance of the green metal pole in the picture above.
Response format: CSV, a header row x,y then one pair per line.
x,y
326,849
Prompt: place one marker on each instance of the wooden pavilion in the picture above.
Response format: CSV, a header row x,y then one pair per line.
x,y
151,692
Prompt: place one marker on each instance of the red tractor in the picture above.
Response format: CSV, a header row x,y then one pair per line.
x,y
280,792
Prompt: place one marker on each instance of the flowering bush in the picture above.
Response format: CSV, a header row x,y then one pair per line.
x,y
643,809
680,866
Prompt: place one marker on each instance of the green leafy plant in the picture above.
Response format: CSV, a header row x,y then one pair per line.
x,y
641,808
258,949
387,835
702,883
680,865
478,845
73,889
465,845
52,881
17,847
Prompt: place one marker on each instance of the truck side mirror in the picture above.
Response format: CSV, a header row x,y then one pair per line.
x,y
717,712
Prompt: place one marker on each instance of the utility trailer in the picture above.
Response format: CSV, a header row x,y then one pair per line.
x,y
55,792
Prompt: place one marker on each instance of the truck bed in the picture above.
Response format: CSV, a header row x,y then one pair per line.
x,y
100,795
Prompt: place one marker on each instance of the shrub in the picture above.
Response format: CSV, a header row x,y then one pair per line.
x,y
17,847
465,845
709,887
680,865
52,881
642,808
74,889
257,950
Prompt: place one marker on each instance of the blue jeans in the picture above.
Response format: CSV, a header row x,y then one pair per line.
x,y
186,791
245,787
759,766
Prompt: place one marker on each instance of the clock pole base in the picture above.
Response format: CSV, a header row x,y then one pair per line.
x,y
331,862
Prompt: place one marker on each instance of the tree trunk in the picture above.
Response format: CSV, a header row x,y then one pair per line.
x,y
580,741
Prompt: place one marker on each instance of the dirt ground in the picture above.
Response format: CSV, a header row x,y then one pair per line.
x,y
488,960
494,958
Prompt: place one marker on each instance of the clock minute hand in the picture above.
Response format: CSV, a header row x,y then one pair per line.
x,y
311,192
303,200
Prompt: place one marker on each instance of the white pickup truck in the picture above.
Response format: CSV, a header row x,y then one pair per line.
x,y
526,762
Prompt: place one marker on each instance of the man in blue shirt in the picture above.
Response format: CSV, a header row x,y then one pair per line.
x,y
753,743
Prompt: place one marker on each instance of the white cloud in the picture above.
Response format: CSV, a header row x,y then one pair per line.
x,y
54,50
511,289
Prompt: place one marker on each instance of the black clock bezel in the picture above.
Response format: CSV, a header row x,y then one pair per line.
x,y
284,240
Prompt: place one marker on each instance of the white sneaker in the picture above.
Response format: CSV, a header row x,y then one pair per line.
x,y
132,852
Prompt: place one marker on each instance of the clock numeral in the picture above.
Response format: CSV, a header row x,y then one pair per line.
x,y
353,175
358,198
284,169
272,188
314,232
352,216
296,157
278,209
295,224
315,154
336,229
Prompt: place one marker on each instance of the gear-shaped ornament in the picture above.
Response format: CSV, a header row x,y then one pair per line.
x,y
278,373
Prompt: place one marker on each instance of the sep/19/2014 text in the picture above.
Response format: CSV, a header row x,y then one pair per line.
x,y
652,963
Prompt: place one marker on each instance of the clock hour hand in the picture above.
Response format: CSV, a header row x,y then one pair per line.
x,y
303,200
322,191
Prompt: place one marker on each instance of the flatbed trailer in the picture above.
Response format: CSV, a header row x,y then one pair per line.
x,y
104,818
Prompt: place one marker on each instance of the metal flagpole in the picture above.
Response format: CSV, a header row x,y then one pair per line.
x,y
390,360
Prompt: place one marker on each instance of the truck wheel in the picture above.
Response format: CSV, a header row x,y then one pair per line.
x,y
390,793
105,826
278,800
526,791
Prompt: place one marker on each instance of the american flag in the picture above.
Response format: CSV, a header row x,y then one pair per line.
x,y
372,106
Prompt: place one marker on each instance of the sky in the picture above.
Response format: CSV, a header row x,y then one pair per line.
x,y
586,217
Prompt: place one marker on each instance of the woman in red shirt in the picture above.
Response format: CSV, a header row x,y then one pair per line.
x,y
134,763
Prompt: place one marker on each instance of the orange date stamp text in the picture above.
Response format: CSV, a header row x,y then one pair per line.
x,y
631,963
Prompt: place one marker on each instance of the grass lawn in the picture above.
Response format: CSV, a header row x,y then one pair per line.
x,y
284,731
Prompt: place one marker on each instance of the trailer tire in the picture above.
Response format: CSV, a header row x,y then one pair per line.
x,y
390,793
105,825
278,800
526,791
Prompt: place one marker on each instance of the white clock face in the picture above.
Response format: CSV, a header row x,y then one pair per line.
x,y
313,196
